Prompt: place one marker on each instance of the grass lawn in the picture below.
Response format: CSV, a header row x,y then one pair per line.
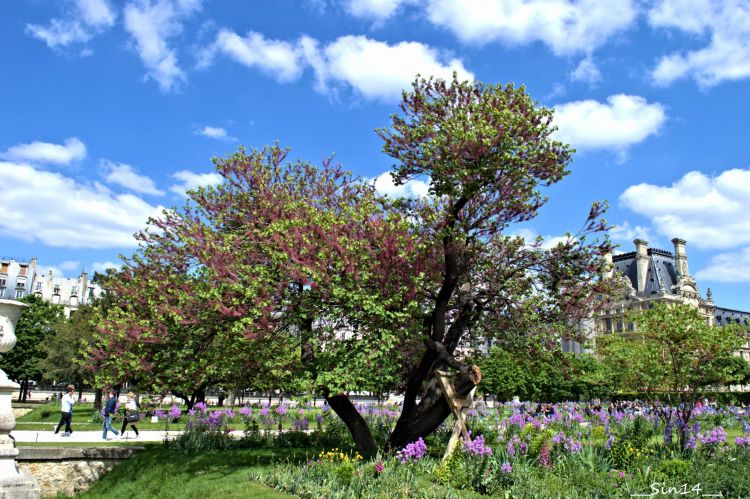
x,y
161,473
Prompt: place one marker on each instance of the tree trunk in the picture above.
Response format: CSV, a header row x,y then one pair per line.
x,y
432,410
80,391
98,399
343,407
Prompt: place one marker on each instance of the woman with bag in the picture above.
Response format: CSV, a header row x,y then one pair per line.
x,y
131,415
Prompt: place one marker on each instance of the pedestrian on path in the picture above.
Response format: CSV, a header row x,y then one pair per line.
x,y
66,415
131,415
109,410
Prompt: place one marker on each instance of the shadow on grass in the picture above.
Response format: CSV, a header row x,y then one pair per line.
x,y
163,472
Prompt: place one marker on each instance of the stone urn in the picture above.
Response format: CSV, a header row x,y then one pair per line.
x,y
13,484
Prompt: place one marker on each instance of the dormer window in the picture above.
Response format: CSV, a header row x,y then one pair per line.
x,y
22,270
4,267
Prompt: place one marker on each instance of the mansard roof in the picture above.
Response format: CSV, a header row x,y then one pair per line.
x,y
661,271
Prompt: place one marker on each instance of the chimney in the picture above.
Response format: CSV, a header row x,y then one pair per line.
x,y
641,262
607,266
680,257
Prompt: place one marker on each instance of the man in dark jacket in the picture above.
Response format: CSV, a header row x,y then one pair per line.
x,y
109,409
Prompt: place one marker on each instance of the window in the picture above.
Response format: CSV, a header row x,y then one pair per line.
x,y
56,299
74,291
21,284
619,325
22,270
608,325
4,267
19,293
57,289
39,286
3,282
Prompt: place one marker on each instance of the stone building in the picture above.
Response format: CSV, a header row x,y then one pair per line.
x,y
66,291
19,278
654,275
16,277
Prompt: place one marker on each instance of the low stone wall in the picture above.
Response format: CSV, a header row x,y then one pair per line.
x,y
69,470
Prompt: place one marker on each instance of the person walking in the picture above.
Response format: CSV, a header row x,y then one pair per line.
x,y
131,415
66,416
109,409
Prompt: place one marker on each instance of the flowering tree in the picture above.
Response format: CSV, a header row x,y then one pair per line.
x,y
675,357
289,266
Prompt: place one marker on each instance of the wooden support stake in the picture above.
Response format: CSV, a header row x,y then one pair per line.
x,y
457,405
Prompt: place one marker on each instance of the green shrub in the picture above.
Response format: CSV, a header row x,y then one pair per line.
x,y
675,469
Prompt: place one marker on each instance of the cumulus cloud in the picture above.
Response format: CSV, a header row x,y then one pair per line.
x,y
126,176
277,58
709,212
215,132
411,189
624,232
187,180
151,25
374,69
727,267
622,121
375,10
45,152
565,26
586,72
43,206
726,56
102,267
381,71
81,22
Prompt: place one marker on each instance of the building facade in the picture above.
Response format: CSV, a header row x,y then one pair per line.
x,y
20,278
651,275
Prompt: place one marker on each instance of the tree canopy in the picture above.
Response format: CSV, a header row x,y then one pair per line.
x,y
291,266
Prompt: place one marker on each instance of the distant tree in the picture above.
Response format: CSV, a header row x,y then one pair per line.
x,y
549,377
65,357
35,328
673,358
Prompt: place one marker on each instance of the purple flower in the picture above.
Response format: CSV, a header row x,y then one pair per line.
x,y
264,411
412,452
201,406
379,467
743,442
476,446
175,412
246,411
281,410
325,407
506,468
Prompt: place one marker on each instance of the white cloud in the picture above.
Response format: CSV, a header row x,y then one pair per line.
x,y
215,132
38,205
46,152
623,121
726,57
565,26
374,69
375,10
625,232
151,24
188,180
410,189
125,176
381,71
80,23
709,212
279,59
102,267
587,72
727,267
70,265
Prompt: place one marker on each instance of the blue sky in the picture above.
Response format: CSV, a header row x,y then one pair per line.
x,y
110,109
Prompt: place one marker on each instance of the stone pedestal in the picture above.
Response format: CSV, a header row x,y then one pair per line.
x,y
13,483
